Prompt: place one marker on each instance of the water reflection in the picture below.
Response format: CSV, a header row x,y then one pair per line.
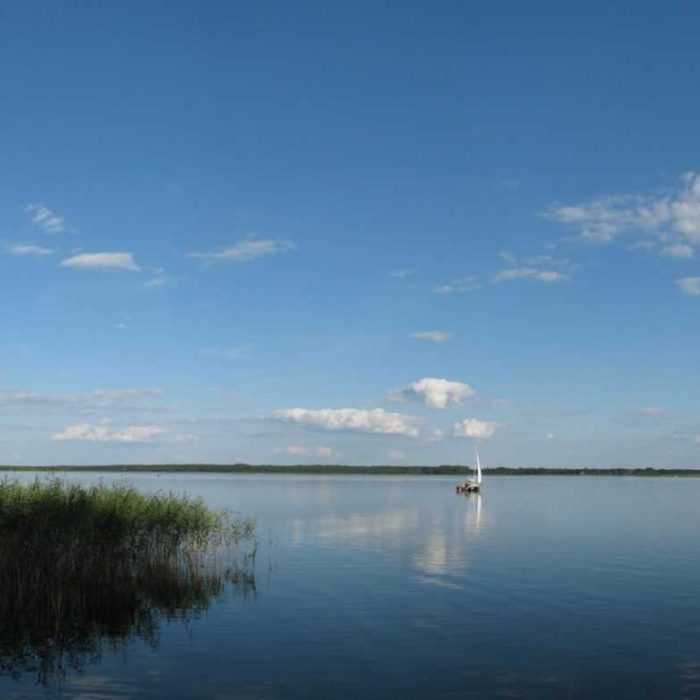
x,y
435,545
60,611
472,517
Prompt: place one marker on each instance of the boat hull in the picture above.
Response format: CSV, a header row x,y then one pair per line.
x,y
468,487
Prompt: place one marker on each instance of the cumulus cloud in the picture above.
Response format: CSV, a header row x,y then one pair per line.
x,y
361,420
322,451
102,433
475,428
689,285
45,219
435,393
29,249
459,286
603,219
102,261
432,336
245,250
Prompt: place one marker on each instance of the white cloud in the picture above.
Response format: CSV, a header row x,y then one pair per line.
x,y
542,268
46,219
102,261
28,249
435,393
678,250
158,280
603,219
432,336
548,276
401,274
689,285
322,451
549,436
475,428
101,433
459,286
366,421
245,250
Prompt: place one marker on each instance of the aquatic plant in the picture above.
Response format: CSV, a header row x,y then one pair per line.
x,y
84,568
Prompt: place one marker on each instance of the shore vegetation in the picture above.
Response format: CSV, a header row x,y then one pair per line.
x,y
379,469
84,568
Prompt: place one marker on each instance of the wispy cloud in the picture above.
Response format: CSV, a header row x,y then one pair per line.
x,y
475,428
678,250
512,185
130,434
689,285
96,399
434,393
322,451
646,416
459,286
401,274
47,220
245,250
432,336
603,219
29,249
102,261
376,421
534,273
541,268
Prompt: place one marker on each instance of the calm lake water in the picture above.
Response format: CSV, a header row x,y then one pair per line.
x,y
383,587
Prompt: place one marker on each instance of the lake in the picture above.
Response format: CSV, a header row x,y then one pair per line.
x,y
383,587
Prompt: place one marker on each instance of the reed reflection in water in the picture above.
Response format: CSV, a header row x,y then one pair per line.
x,y
62,607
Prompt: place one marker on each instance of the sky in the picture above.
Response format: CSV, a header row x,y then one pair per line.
x,y
356,233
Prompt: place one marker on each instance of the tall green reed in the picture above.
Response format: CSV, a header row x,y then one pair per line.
x,y
84,568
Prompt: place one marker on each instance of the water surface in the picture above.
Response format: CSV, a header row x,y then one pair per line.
x,y
376,587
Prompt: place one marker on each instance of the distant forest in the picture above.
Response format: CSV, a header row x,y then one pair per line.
x,y
384,470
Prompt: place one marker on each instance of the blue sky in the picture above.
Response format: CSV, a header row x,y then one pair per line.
x,y
358,233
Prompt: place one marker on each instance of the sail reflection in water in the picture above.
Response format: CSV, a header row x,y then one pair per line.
x,y
60,610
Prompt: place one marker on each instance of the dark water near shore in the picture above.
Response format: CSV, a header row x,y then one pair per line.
x,y
382,587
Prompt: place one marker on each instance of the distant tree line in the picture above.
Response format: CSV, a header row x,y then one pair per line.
x,y
443,469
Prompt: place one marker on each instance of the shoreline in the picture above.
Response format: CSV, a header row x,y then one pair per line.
x,y
379,470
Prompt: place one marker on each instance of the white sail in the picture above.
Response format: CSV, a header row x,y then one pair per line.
x,y
478,466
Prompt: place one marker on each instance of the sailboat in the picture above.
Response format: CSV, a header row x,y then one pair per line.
x,y
472,485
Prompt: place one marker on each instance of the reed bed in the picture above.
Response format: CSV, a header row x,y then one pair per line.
x,y
82,568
